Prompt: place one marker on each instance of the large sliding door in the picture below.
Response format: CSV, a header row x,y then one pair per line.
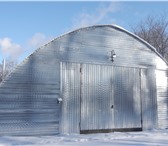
x,y
70,92
97,102
110,98
99,97
148,95
127,101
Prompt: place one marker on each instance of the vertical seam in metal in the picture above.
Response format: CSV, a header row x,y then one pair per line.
x,y
80,97
156,101
60,114
140,75
60,79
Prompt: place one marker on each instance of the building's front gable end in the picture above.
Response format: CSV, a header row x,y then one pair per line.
x,y
129,81
95,94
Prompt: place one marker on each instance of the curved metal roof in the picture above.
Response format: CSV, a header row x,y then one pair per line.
x,y
119,28
114,26
96,26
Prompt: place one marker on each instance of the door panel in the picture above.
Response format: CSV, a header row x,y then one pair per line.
x,y
107,104
70,110
110,97
127,101
90,97
148,94
98,97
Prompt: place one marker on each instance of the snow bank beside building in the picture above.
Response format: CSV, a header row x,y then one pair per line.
x,y
154,138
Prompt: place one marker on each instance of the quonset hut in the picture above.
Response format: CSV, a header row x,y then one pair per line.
x,y
94,79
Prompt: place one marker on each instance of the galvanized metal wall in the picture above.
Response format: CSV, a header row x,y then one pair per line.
x,y
162,98
28,97
127,100
31,91
95,107
70,112
149,100
107,95
90,97
108,101
93,44
97,97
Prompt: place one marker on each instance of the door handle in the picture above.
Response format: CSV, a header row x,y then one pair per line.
x,y
59,100
112,106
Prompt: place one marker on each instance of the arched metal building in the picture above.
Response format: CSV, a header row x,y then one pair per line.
x,y
99,93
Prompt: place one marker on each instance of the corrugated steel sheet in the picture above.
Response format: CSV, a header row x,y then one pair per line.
x,y
28,99
35,84
91,98
162,98
93,44
110,97
70,112
127,100
107,101
149,100
107,94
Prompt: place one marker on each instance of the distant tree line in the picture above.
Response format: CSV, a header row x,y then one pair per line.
x,y
9,66
154,30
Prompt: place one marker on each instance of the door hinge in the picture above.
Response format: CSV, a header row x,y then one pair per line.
x,y
80,69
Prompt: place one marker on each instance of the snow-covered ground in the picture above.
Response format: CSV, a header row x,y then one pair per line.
x,y
148,138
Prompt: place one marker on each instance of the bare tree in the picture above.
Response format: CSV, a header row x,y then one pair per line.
x,y
154,30
10,65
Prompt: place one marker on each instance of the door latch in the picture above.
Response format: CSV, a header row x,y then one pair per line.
x,y
59,100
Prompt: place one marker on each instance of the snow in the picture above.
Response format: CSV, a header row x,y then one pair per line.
x,y
146,138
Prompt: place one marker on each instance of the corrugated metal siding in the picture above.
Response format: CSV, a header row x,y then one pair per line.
x,y
35,85
91,98
107,86
162,98
127,102
107,94
28,99
70,112
92,46
149,102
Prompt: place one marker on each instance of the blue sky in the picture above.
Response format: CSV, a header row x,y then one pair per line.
x,y
24,26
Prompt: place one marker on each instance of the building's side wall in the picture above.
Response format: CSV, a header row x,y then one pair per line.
x,y
28,97
162,98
